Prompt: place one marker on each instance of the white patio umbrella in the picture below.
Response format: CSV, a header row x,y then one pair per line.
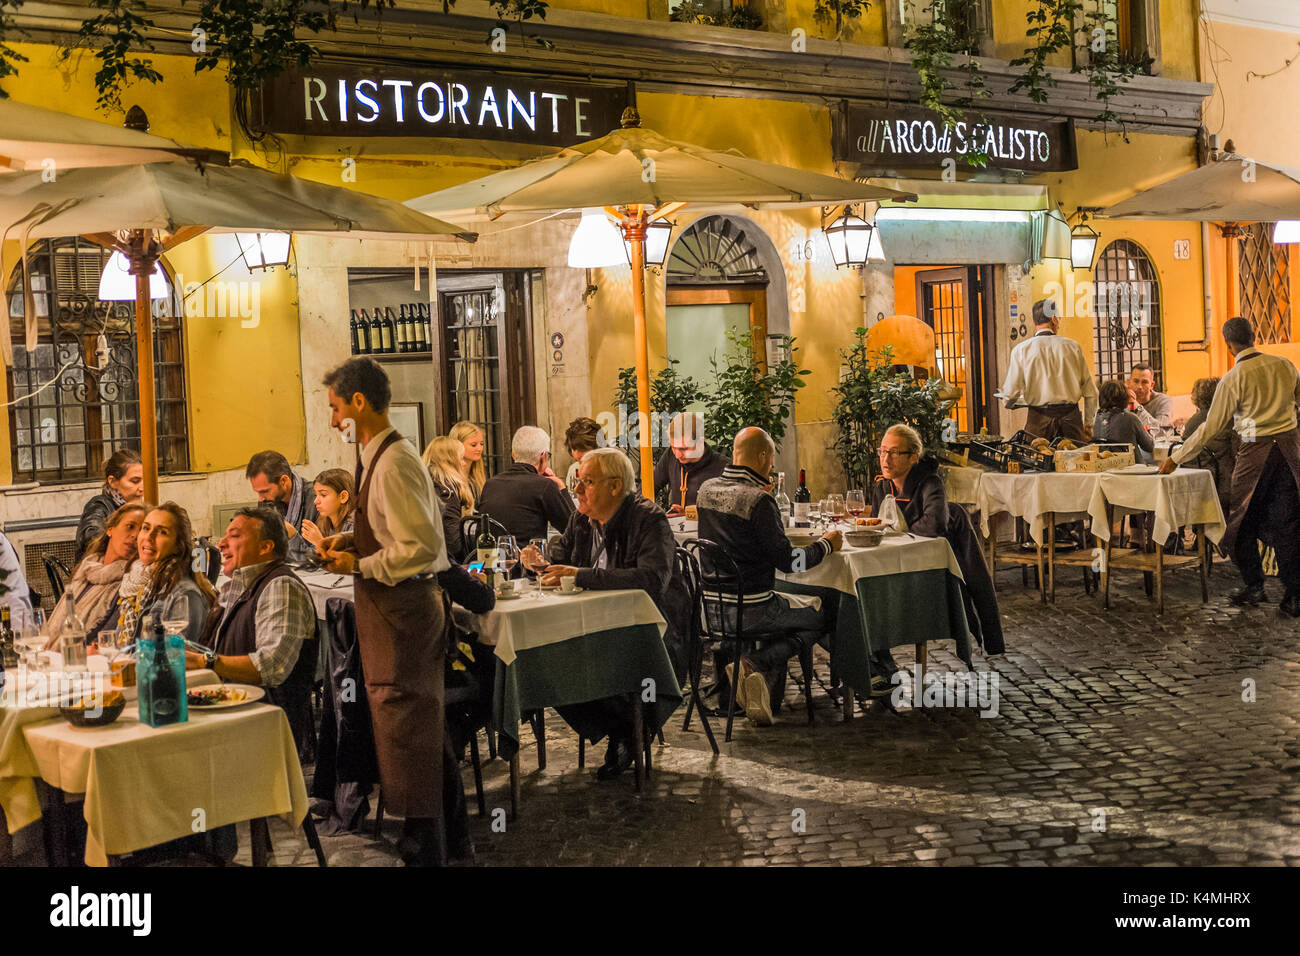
x,y
1232,189
141,211
639,176
32,137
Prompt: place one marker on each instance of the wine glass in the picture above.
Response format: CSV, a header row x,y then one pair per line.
x,y
110,645
833,507
509,552
540,545
28,624
856,502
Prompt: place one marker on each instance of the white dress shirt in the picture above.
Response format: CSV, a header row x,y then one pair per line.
x,y
404,515
1257,397
1049,369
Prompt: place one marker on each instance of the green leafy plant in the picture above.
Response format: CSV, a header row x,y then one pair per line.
x,y
872,397
1050,25
670,393
743,394
840,15
736,17
951,32
9,57
1107,65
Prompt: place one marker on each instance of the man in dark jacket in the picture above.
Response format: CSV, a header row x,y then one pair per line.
x,y
527,496
689,463
278,486
738,512
617,539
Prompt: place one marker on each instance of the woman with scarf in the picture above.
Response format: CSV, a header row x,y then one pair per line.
x,y
164,575
97,579
123,482
916,487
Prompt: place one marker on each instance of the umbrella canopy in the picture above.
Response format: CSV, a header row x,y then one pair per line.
x,y
32,134
1233,189
181,198
142,210
635,166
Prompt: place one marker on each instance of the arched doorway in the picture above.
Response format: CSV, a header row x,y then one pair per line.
x,y
724,273
1126,310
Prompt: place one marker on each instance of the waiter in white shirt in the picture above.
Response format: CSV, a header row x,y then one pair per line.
x,y
1258,398
394,552
1049,373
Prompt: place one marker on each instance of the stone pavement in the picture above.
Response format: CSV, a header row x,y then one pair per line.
x,y
1118,739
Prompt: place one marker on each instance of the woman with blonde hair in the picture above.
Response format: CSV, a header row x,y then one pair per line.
x,y
93,591
471,462
444,458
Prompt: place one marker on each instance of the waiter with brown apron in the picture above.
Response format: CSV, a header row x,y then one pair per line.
x,y
1258,398
1048,372
394,552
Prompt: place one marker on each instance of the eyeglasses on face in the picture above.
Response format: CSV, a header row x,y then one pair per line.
x,y
894,452
588,482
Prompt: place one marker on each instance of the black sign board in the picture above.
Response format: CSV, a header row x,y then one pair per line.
x,y
346,100
916,137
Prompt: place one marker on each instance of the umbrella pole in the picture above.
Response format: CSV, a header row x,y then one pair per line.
x,y
144,257
634,230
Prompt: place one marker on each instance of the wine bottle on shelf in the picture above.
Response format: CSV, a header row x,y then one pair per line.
x,y
353,322
802,503
385,344
390,324
363,333
425,312
782,499
376,333
417,323
403,329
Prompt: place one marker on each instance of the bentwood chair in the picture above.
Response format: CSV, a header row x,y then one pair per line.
x,y
58,574
716,566
688,570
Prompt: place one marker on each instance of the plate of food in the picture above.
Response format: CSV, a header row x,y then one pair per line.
x,y
223,696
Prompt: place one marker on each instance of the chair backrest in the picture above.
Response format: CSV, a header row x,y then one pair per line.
x,y
211,560
58,574
687,569
471,528
715,564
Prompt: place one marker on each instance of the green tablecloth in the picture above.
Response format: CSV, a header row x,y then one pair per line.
x,y
891,610
580,669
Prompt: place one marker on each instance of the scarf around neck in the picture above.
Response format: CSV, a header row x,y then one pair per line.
x,y
136,584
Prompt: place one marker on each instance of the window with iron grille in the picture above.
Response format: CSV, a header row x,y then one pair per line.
x,y
74,398
1126,311
1264,271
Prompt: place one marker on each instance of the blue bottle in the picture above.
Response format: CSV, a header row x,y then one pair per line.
x,y
161,679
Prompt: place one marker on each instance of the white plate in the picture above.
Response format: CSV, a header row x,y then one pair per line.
x,y
511,596
254,694
1137,470
567,593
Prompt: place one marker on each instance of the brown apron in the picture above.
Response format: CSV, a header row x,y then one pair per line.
x,y
1252,456
1055,421
403,642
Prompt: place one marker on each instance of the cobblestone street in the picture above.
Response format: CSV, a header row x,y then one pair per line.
x,y
1119,739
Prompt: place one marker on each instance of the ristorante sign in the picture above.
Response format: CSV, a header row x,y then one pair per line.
x,y
466,104
914,137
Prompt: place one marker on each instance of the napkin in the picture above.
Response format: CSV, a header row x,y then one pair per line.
x,y
890,515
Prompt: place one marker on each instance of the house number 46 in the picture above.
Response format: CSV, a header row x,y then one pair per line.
x,y
801,251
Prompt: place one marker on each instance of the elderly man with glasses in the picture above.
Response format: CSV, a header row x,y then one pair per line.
x,y
616,539
913,480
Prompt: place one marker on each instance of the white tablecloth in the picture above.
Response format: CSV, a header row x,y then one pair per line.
x,y
541,618
1034,495
1186,497
324,585
23,705
961,484
683,529
143,785
894,555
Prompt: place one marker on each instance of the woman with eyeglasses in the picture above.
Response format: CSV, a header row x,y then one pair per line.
x,y
913,479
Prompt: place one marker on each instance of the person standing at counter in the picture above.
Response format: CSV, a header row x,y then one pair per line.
x,y
1050,374
394,554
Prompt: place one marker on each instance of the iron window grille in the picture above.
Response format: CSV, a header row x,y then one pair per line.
x,y
74,399
1126,311
1265,283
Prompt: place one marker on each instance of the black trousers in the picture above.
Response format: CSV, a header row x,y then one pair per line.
x,y
1274,518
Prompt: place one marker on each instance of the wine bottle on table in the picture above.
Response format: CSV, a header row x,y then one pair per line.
x,y
783,500
802,503
376,333
486,547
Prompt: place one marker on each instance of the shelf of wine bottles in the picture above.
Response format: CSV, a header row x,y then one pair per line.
x,y
381,331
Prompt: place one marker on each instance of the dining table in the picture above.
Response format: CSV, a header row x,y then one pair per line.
x,y
906,590
140,786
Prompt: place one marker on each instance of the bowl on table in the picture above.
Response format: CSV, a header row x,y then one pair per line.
x,y
81,710
865,537
800,538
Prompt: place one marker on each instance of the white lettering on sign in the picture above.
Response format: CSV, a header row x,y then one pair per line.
x,y
435,103
926,137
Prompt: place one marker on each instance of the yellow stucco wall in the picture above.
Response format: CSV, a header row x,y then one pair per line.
x,y
243,384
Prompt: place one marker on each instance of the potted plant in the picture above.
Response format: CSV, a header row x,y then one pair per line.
x,y
670,393
745,394
872,396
